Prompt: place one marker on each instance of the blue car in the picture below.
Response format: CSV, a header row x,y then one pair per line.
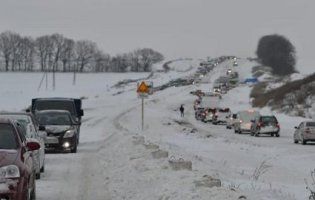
x,y
251,81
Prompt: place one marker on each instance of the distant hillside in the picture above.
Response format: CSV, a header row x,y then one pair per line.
x,y
295,97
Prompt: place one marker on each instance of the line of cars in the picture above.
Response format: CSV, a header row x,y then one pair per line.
x,y
207,109
50,123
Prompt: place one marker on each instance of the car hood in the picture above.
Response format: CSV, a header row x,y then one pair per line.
x,y
57,128
8,157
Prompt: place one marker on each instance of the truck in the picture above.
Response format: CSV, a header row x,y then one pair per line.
x,y
74,106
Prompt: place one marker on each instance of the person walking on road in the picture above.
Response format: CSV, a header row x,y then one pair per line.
x,y
182,109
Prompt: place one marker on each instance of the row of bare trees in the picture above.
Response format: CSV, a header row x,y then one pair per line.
x,y
58,53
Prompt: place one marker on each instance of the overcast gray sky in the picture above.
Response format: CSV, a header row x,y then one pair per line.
x,y
177,28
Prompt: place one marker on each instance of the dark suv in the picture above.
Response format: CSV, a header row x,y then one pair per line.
x,y
62,130
265,125
74,106
17,172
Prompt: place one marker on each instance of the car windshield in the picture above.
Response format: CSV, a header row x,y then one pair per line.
x,y
248,116
7,137
269,119
312,124
53,119
23,119
55,105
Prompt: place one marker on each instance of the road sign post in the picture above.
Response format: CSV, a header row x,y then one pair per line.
x,y
143,92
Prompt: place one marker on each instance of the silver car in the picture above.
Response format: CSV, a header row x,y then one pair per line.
x,y
304,132
31,132
243,122
230,121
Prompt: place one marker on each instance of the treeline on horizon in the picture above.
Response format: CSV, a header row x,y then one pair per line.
x,y
58,53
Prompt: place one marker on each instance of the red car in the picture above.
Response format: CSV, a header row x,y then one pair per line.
x,y
17,173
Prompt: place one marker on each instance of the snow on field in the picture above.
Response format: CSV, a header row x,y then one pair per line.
x,y
114,159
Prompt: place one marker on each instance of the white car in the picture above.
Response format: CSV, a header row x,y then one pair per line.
x,y
243,122
31,132
230,121
221,116
304,132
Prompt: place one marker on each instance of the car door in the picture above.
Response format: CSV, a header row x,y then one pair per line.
x,y
27,155
297,132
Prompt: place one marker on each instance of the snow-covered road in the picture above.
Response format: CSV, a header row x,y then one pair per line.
x,y
112,163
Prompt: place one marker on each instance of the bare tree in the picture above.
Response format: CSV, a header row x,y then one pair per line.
x,y
8,47
85,50
26,54
44,49
67,54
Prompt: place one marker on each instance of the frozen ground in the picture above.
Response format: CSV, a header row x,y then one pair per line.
x,y
112,163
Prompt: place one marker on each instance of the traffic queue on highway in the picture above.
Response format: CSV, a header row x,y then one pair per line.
x,y
50,124
208,109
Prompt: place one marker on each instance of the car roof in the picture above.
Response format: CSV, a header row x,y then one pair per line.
x,y
55,99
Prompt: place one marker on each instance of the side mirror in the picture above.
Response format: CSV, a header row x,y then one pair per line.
x,y
227,117
32,146
296,127
41,128
81,112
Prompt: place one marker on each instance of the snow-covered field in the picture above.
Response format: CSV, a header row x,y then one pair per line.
x,y
112,163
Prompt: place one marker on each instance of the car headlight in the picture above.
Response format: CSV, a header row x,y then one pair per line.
x,y
69,133
10,171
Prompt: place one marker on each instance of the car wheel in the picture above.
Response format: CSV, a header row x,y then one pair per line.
x,y
43,168
296,141
303,141
257,134
235,131
37,175
272,135
74,150
33,192
240,131
277,135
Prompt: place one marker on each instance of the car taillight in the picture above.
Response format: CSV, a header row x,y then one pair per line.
x,y
278,125
241,121
259,124
307,130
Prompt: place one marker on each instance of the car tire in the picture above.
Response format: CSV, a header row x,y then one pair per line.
x,y
37,176
256,134
272,134
74,150
235,131
240,131
42,169
303,141
33,192
277,135
296,141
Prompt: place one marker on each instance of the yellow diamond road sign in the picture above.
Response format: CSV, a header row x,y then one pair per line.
x,y
143,88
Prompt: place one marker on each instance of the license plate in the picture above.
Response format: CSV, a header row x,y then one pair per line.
x,y
52,140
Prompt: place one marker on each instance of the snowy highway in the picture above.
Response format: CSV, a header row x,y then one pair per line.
x,y
112,164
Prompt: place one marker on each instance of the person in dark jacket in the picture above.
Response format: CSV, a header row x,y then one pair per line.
x,y
182,109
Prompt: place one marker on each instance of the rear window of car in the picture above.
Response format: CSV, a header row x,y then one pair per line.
x,y
310,124
7,137
268,119
55,105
